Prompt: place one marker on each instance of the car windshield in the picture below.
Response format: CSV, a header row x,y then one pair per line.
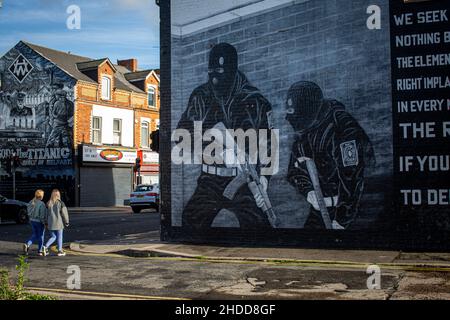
x,y
144,189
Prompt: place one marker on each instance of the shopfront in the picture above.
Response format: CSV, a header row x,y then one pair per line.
x,y
149,167
105,176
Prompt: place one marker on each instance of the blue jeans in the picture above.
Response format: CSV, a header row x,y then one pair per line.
x,y
37,235
56,234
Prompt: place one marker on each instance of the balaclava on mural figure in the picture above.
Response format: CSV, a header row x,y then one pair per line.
x,y
303,103
222,69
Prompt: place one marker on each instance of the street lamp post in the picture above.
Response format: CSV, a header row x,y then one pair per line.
x,y
13,168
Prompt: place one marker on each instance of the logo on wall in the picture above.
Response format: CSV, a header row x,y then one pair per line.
x,y
111,155
21,68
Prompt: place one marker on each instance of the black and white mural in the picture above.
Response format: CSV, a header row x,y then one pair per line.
x,y
329,156
36,123
281,116
286,121
228,101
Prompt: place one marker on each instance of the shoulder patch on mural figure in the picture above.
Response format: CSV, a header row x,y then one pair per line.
x,y
349,153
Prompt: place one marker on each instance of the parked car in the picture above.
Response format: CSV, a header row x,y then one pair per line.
x,y
13,210
145,196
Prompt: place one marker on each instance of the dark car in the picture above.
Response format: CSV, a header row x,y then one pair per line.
x,y
13,210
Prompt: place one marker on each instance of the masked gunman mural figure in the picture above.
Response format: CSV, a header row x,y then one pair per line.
x,y
328,157
228,101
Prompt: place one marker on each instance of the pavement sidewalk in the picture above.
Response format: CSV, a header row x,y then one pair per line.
x,y
149,245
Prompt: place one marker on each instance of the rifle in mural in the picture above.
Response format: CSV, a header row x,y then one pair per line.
x,y
247,174
314,176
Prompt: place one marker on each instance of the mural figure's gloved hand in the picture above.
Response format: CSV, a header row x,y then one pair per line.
x,y
312,199
336,226
259,198
265,183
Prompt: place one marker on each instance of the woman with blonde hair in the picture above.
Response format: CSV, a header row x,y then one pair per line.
x,y
57,219
37,213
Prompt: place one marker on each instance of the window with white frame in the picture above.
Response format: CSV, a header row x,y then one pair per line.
x,y
117,131
106,88
145,134
96,130
151,97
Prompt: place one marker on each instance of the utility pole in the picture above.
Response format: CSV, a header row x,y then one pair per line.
x,y
15,162
13,169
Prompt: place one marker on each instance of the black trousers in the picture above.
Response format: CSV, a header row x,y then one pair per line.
x,y
208,200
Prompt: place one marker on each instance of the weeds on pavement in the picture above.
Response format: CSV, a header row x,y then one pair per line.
x,y
16,291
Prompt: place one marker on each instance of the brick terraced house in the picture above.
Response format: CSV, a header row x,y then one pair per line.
x,y
77,124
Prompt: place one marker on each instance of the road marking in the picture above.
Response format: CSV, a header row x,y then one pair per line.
x,y
103,294
281,263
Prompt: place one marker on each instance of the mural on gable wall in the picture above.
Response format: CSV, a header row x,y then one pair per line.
x,y
36,122
329,156
227,100
328,159
332,165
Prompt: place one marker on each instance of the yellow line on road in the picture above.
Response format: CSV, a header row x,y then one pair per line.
x,y
280,262
103,294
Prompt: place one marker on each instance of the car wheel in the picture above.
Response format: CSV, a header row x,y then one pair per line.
x,y
22,216
136,210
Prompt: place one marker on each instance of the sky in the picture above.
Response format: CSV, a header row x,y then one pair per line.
x,y
117,29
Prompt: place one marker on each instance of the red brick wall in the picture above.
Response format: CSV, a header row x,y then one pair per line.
x,y
83,112
147,112
89,94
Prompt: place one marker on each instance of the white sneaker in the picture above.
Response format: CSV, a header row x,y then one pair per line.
x,y
25,249
61,254
44,251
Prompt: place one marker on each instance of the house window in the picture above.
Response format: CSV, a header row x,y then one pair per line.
x,y
151,97
117,131
145,134
106,88
96,130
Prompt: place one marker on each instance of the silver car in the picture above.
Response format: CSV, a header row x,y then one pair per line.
x,y
145,196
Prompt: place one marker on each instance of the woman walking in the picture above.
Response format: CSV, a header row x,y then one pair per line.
x,y
37,214
57,219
